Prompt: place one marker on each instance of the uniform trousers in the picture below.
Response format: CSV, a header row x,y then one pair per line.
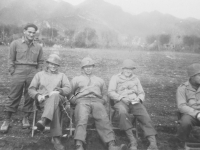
x,y
20,81
126,113
95,107
52,111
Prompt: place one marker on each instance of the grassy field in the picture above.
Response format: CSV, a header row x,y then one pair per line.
x,y
160,74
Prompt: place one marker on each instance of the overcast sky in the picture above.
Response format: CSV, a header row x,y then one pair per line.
x,y
178,8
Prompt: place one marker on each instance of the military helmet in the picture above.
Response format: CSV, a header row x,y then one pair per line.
x,y
87,61
54,58
128,63
193,69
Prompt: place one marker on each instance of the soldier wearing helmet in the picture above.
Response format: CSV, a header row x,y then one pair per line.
x,y
126,91
48,88
188,103
89,94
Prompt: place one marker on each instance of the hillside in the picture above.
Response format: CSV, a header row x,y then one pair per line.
x,y
93,13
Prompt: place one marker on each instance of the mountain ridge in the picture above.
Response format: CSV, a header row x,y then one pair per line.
x,y
97,14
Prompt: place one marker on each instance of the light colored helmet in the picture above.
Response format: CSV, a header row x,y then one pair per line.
x,y
87,61
128,63
193,69
54,58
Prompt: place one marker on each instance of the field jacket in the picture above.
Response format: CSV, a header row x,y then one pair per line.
x,y
120,87
23,54
84,86
188,99
45,82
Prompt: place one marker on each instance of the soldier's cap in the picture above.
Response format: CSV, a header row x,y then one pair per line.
x,y
193,69
30,25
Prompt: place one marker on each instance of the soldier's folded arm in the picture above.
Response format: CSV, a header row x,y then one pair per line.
x,y
112,90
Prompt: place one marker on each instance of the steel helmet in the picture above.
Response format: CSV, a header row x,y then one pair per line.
x,y
54,58
128,63
193,69
87,61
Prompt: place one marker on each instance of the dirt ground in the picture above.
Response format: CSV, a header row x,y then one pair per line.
x,y
160,74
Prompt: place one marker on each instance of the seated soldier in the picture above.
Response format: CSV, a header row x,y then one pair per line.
x,y
89,96
128,95
188,102
48,88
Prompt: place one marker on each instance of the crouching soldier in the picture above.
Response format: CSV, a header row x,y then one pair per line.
x,y
49,87
188,103
128,95
89,96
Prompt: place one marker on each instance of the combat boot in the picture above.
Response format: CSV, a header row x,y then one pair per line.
x,y
25,123
42,123
79,145
25,120
57,143
132,146
112,146
153,145
133,141
5,126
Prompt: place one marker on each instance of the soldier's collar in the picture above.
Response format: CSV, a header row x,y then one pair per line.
x,y
123,77
24,40
190,87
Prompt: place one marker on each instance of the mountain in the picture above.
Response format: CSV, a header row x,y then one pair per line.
x,y
97,14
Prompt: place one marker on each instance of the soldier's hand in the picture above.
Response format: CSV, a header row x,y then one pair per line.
x,y
198,116
41,98
125,100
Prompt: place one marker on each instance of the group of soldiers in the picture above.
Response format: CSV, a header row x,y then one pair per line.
x,y
49,88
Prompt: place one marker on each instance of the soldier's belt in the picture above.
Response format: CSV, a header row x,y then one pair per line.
x,y
30,64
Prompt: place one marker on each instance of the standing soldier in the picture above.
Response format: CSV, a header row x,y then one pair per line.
x,y
128,95
25,58
188,103
89,96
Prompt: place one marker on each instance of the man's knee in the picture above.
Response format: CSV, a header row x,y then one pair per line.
x,y
186,120
121,110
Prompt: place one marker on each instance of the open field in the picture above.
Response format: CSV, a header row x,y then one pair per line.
x,y
160,74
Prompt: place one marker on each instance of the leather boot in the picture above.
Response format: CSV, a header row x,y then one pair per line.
x,y
112,146
133,141
42,123
79,145
57,143
25,123
153,145
5,126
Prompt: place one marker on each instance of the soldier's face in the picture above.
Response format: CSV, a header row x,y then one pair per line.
x,y
196,79
88,70
29,33
127,72
52,67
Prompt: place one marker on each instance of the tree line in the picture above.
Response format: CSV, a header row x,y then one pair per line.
x,y
89,37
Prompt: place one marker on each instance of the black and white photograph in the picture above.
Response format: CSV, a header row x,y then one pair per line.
x,y
99,75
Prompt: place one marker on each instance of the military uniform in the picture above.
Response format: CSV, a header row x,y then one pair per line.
x,y
120,87
90,97
128,95
89,94
24,61
188,102
44,83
